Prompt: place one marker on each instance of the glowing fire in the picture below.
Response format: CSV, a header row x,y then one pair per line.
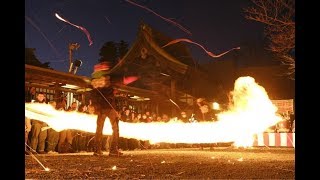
x,y
215,106
251,112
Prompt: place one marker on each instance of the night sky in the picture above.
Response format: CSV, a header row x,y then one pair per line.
x,y
218,25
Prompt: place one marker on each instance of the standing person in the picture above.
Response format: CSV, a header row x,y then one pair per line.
x,y
293,128
73,107
65,136
90,136
37,135
30,94
79,138
203,111
183,117
103,100
26,133
291,121
52,136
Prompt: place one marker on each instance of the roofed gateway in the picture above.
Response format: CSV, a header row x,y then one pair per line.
x,y
169,78
166,75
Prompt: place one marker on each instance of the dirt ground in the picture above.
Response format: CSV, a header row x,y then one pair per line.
x,y
185,163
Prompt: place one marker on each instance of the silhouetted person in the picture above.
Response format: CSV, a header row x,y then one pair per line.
x,y
103,100
203,111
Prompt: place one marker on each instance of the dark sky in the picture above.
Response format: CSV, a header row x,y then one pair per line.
x,y
218,25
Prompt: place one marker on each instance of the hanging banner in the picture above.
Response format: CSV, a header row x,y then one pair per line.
x,y
284,106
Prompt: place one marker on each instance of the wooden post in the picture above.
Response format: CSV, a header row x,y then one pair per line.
x,y
57,92
157,108
70,54
173,97
83,98
72,47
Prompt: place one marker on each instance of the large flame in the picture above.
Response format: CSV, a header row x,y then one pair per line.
x,y
250,112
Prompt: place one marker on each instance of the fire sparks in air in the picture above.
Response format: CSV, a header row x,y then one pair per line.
x,y
216,106
192,42
79,27
44,36
250,112
166,19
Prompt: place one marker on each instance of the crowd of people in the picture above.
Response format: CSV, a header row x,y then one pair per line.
x,y
41,139
287,125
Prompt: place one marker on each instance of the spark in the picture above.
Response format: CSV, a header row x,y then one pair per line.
x,y
240,159
175,104
166,19
189,41
107,19
43,35
45,128
165,74
56,61
162,162
79,27
215,106
114,168
34,157
61,29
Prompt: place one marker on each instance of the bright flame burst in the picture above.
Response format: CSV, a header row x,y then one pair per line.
x,y
251,112
216,106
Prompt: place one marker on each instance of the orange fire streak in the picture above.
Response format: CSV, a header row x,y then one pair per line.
x,y
250,113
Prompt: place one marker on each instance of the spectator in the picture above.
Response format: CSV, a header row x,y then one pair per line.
x,y
183,117
31,94
65,136
79,140
52,136
37,134
26,133
203,111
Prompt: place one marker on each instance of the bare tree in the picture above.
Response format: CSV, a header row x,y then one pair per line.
x,y
279,18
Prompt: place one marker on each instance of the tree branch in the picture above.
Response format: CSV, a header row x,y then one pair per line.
x,y
278,16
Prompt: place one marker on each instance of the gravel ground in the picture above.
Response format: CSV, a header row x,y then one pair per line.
x,y
186,163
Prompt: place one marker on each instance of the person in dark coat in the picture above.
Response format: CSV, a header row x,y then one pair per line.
x,y
102,98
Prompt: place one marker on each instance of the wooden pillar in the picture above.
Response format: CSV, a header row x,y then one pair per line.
x,y
83,98
57,92
157,108
173,97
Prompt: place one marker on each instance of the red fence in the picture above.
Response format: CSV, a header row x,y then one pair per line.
x,y
275,139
